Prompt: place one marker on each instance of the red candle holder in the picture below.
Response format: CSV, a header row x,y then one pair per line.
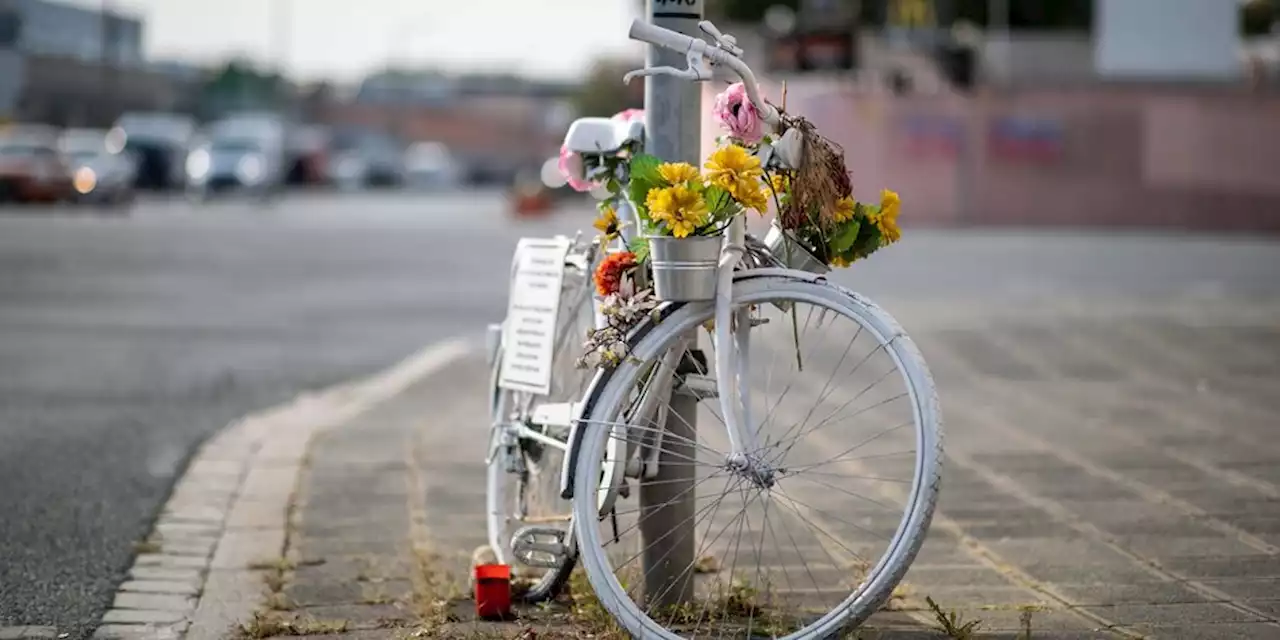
x,y
493,591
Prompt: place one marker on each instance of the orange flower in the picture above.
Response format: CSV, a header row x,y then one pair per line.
x,y
609,273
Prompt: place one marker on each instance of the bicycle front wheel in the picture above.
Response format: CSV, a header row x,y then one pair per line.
x,y
815,533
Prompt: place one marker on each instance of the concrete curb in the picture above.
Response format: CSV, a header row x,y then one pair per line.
x,y
194,577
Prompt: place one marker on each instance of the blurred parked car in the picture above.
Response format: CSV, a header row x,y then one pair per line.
x,y
160,141
99,173
31,170
364,158
431,165
235,163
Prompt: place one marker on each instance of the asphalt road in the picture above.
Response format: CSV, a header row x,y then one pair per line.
x,y
126,340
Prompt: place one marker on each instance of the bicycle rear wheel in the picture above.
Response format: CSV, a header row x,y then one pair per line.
x,y
817,534
523,475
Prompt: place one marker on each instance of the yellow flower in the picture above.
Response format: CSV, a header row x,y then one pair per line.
x,y
681,208
844,210
731,166
886,219
780,183
608,223
752,195
678,172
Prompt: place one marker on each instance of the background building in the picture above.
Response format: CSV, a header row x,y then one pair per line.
x,y
46,28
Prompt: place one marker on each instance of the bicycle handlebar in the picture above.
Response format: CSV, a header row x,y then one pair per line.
x,y
655,35
686,45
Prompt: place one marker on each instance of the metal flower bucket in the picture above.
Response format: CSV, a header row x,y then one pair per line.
x,y
684,269
791,253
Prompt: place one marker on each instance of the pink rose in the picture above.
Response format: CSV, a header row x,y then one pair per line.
x,y
573,171
629,115
737,115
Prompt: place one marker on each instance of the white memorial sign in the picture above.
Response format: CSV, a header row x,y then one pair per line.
x,y
530,332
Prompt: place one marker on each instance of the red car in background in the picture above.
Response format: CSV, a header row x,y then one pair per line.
x,y
32,169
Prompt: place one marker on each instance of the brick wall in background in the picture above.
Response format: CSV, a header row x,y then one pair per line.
x,y
1124,156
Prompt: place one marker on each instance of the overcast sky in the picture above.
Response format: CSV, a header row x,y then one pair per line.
x,y
344,38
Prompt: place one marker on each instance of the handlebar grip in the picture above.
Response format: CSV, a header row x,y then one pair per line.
x,y
647,32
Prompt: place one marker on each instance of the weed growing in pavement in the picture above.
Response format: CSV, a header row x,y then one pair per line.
x,y
1025,619
266,624
949,622
278,602
146,546
434,590
274,581
586,609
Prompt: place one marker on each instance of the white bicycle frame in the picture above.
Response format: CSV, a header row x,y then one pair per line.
x,y
732,329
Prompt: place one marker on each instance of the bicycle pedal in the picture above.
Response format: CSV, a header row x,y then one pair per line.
x,y
542,547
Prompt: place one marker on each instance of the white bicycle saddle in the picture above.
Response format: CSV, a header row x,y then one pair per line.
x,y
602,135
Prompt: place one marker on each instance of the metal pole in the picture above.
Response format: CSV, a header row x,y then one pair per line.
x,y
673,123
667,527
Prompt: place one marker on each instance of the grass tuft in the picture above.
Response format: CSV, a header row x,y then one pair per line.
x,y
950,623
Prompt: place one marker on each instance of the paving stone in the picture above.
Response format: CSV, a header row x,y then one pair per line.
x,y
1182,547
1171,614
1145,593
143,616
353,568
239,549
230,598
196,515
169,561
159,586
1065,573
198,548
1255,566
157,601
324,547
359,615
138,632
176,530
1251,631
247,513
344,590
1247,589
929,577
270,482
1001,620
976,597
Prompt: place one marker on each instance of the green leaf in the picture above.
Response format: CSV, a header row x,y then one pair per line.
x,y
644,168
716,198
640,247
845,237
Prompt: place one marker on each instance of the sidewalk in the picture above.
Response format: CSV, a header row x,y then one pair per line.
x,y
1106,477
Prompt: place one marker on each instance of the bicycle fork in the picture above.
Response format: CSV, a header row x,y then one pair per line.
x,y
732,344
